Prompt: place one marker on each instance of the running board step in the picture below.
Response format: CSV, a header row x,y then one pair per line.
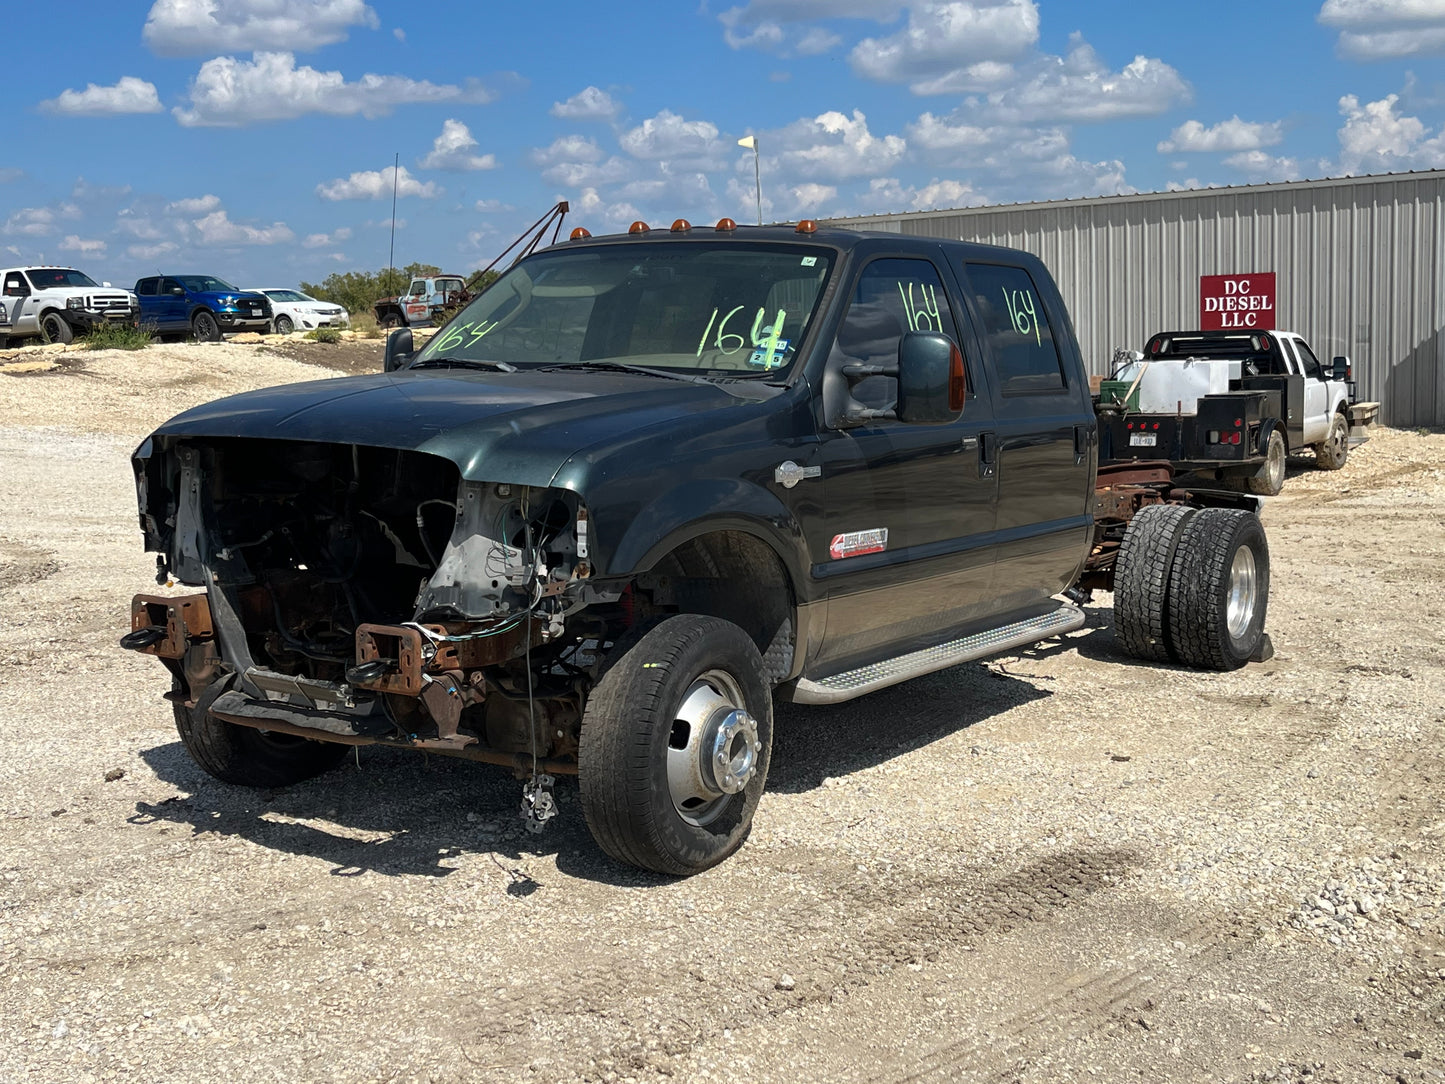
x,y
879,675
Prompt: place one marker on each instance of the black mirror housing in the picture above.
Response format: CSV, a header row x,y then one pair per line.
x,y
398,350
1340,368
931,381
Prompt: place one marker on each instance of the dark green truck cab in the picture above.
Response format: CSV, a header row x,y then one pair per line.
x,y
643,486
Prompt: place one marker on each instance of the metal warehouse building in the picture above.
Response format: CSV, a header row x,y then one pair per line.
x,y
1358,263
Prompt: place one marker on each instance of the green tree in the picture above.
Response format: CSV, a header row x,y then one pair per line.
x,y
357,291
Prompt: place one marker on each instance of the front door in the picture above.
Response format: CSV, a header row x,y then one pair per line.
x,y
907,552
1317,395
21,304
172,310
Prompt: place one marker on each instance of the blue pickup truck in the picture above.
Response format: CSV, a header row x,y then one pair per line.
x,y
200,305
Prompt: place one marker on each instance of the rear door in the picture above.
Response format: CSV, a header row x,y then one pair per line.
x,y
1046,451
907,553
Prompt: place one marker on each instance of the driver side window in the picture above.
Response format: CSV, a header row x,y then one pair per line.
x,y
891,296
1308,362
16,286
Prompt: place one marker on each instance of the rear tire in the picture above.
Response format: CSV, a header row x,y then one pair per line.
x,y
1219,590
1331,453
54,329
653,727
252,758
1269,479
1141,580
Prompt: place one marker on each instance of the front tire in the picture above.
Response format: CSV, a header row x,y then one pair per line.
x,y
1332,452
252,758
1219,590
1269,480
54,329
675,745
205,328
285,325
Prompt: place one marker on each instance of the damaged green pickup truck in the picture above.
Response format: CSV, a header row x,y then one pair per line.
x,y
641,487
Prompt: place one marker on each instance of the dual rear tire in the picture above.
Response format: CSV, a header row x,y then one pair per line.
x,y
1192,586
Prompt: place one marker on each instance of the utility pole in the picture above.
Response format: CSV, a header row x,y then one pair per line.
x,y
751,142
391,255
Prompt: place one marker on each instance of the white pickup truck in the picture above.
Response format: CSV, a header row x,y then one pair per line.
x,y
424,301
1230,406
56,303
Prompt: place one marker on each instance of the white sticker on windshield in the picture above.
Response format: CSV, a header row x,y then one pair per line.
x,y
809,261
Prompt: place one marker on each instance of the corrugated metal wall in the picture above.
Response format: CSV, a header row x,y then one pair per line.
x,y
1358,264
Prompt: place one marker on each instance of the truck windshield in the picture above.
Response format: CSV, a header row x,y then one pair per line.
x,y
727,307
47,277
205,284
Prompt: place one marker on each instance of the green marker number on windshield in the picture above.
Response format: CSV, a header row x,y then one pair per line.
x,y
758,337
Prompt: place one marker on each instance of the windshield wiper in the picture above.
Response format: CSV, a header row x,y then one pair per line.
x,y
465,363
617,367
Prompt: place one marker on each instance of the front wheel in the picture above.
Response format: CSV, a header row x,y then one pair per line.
x,y
1332,452
249,757
676,740
284,325
54,329
1219,590
205,328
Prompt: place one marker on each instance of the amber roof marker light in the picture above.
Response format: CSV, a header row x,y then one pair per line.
x,y
638,227
581,233
725,225
681,225
807,226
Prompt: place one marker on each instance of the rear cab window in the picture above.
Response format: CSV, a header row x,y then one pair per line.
x,y
1016,328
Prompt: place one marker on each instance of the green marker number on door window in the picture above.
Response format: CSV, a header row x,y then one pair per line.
x,y
1022,314
921,311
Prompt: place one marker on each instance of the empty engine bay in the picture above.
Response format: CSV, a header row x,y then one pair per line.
x,y
310,544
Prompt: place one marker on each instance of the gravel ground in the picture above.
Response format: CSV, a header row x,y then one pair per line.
x,y
1057,866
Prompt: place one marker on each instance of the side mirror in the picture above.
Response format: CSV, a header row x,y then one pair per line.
x,y
1340,368
178,291
932,383
398,350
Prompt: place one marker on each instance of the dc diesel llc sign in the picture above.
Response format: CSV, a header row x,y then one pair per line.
x,y
1237,301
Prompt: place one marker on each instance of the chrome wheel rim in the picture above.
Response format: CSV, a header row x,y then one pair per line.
x,y
1276,463
1243,590
1339,436
713,748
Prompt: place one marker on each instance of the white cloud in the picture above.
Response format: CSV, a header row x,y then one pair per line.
x,y
590,103
232,93
591,204
138,226
1382,29
30,222
1375,138
489,206
1259,166
10,173
129,95
590,174
816,41
398,33
453,150
668,135
377,184
767,36
568,148
191,27
85,246
832,146
197,205
1228,135
945,37
217,228
327,240
757,11
1080,87
151,252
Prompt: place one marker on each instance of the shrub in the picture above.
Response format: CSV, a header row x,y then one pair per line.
x,y
324,335
120,337
365,325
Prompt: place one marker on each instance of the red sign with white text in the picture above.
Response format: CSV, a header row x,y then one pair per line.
x,y
1237,301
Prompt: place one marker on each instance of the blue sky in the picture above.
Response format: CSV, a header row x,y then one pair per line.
x,y
253,139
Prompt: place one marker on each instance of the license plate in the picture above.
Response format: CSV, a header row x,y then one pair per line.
x,y
1142,440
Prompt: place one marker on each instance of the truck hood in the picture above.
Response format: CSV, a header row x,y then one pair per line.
x,y
504,427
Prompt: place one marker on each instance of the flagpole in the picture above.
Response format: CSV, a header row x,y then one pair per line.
x,y
752,143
